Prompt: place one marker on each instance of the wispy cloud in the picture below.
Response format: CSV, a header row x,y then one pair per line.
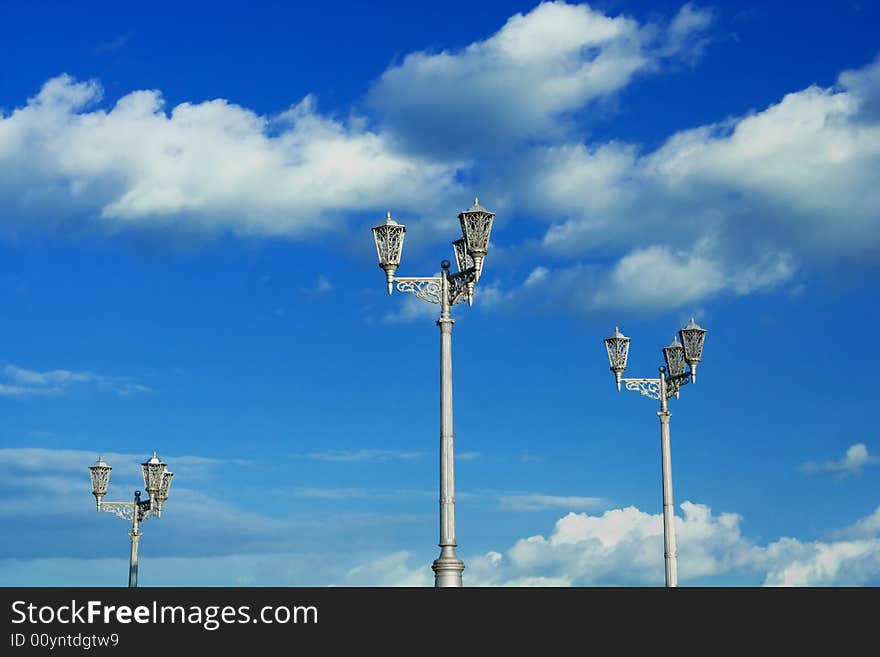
x,y
853,462
411,309
321,287
22,382
538,502
113,44
467,456
361,455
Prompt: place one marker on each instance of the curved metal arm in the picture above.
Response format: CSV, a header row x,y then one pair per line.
x,y
461,285
674,384
647,387
651,387
426,289
125,510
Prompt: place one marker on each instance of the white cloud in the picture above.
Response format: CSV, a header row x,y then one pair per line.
x,y
842,563
389,571
411,309
26,382
521,81
538,502
625,546
687,31
867,527
853,462
49,488
735,207
799,177
200,167
647,280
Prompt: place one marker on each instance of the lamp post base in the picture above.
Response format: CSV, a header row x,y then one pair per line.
x,y
447,571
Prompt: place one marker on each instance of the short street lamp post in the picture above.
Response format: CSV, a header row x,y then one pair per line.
x,y
445,290
157,482
668,384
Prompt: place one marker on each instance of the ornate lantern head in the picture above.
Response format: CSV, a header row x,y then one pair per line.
x,y
465,261
692,337
476,225
154,469
389,246
100,476
618,349
462,257
162,495
674,356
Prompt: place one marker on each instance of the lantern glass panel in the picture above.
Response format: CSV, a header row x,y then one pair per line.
x,y
674,356
462,257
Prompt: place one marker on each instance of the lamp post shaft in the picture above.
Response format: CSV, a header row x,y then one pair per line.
x,y
135,535
133,563
669,550
447,567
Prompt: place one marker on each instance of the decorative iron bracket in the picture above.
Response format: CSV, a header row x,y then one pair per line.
x,y
647,387
426,289
461,285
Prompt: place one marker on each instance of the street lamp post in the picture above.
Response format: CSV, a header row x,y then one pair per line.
x,y
672,377
445,290
157,482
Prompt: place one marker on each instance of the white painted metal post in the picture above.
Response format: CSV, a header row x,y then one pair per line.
x,y
135,535
447,567
669,550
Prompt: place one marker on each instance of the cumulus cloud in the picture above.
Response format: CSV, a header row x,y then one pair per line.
x,y
46,497
736,207
625,546
853,462
67,163
523,80
22,382
392,570
645,280
798,176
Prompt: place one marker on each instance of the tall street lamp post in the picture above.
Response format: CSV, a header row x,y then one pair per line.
x,y
672,377
157,482
445,290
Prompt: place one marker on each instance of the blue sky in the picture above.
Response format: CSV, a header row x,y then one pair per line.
x,y
186,266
